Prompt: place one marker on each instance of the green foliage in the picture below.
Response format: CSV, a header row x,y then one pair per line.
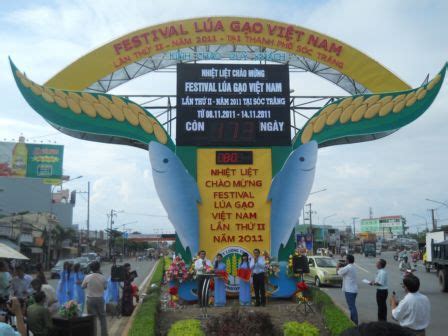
x,y
145,321
300,329
179,249
186,328
321,299
335,320
286,251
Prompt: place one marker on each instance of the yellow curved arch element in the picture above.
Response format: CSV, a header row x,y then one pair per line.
x,y
175,35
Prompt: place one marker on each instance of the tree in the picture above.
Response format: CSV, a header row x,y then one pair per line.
x,y
60,234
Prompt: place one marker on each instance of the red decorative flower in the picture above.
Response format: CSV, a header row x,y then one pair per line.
x,y
302,286
173,290
212,285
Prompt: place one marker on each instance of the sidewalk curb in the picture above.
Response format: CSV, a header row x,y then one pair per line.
x,y
143,287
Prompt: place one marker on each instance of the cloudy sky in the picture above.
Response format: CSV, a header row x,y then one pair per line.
x,y
393,175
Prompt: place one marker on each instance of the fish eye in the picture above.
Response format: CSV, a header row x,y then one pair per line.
x,y
165,160
302,158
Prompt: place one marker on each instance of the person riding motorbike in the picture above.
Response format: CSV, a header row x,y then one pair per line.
x,y
405,264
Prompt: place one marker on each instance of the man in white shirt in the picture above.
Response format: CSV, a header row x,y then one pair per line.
x,y
95,284
201,266
382,290
257,265
414,310
349,285
21,284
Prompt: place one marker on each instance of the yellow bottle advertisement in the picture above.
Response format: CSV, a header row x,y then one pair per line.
x,y
19,159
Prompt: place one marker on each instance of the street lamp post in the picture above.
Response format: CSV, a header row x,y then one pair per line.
x,y
326,217
124,235
88,212
426,221
323,224
311,213
438,202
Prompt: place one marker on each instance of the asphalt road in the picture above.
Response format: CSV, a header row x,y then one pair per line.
x,y
366,300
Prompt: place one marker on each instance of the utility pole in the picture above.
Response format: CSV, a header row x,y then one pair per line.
x,y
88,212
354,230
434,220
112,214
310,218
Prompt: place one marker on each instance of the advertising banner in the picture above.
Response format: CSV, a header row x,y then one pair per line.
x,y
305,240
18,159
232,104
188,34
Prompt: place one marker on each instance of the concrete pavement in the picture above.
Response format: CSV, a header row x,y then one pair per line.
x,y
366,300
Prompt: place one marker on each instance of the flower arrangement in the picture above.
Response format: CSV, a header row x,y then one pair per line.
x,y
172,302
173,290
271,267
290,270
69,310
303,293
192,271
177,271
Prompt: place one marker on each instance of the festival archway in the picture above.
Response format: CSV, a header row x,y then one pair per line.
x,y
76,102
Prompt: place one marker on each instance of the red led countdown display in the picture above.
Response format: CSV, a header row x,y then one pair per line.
x,y
234,157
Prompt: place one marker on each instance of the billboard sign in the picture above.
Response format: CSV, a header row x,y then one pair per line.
x,y
19,159
233,104
305,240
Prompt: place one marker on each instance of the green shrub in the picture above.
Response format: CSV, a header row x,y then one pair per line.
x,y
186,328
321,299
145,321
336,320
300,329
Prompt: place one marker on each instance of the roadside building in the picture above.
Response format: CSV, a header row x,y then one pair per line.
x,y
386,227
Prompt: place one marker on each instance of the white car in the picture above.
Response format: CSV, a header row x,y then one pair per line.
x,y
324,252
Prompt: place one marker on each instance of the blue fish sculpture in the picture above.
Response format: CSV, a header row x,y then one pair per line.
x,y
289,191
178,192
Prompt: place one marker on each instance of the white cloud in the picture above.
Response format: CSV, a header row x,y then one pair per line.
x,y
393,175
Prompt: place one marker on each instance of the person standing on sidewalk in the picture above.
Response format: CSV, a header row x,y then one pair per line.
x,y
257,265
381,291
95,284
349,285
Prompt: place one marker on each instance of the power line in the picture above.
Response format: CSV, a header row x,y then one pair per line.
x,y
143,214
